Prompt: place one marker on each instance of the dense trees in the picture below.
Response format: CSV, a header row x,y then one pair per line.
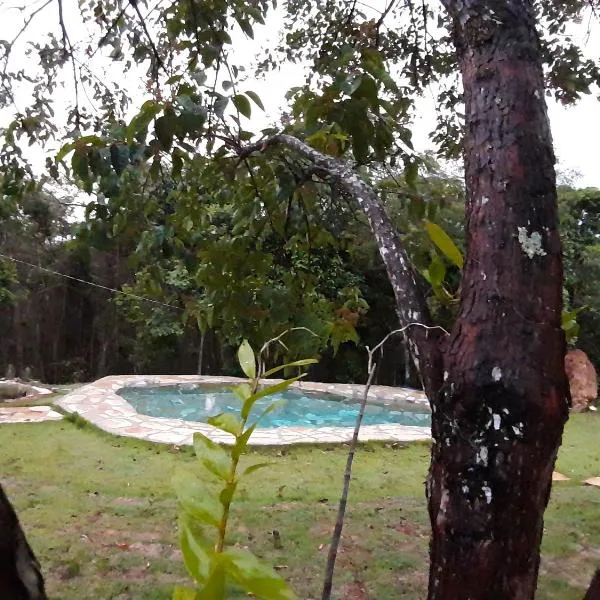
x,y
250,231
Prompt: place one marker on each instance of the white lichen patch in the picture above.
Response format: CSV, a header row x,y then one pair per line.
x,y
481,458
531,244
487,491
496,421
496,373
484,200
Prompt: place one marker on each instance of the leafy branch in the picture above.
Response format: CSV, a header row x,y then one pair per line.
x,y
205,513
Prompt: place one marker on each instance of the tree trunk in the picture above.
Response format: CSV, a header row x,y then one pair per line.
x,y
20,576
593,592
499,416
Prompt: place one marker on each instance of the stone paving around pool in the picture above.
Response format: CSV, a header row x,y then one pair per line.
x,y
28,414
100,404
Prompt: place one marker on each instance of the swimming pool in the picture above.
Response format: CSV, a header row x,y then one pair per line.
x,y
298,408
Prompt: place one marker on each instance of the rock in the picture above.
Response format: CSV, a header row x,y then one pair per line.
x,y
556,476
595,481
13,390
582,380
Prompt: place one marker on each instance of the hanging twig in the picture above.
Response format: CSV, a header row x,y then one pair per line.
x,y
159,63
339,523
10,46
68,50
277,340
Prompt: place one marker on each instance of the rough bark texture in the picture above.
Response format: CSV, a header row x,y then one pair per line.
x,y
499,416
593,592
20,576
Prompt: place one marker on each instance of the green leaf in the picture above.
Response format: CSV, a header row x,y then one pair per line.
x,y
242,442
247,360
212,456
79,163
242,103
139,123
246,27
297,363
437,271
445,244
411,172
266,391
214,588
191,123
119,157
255,98
183,593
242,391
227,493
64,151
252,468
164,128
196,499
220,104
177,158
199,77
368,90
226,422
86,140
255,577
196,549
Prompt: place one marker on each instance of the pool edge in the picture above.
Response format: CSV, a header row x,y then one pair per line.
x,y
99,403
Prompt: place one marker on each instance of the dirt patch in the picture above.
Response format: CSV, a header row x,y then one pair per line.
x,y
281,506
407,528
576,570
354,591
124,501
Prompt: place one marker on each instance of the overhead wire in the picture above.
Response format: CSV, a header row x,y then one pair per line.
x,y
90,283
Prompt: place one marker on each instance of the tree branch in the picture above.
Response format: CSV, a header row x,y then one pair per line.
x,y
68,50
411,305
159,63
10,46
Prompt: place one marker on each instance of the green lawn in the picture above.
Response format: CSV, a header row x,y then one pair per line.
x,y
100,514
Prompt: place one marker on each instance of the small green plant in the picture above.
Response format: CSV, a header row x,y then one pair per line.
x,y
204,514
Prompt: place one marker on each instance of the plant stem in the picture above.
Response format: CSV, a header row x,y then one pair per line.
x,y
339,524
220,545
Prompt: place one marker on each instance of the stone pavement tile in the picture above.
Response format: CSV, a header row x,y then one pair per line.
x,y
166,437
33,414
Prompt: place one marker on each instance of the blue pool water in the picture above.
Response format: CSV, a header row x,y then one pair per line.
x,y
300,408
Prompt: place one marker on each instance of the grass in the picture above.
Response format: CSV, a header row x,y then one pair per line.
x,y
100,514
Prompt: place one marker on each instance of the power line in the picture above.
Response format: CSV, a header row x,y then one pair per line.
x,y
102,287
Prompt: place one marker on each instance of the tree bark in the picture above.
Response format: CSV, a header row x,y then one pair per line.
x,y
20,576
499,416
593,592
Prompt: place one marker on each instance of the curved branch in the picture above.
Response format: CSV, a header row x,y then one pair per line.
x,y
411,305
